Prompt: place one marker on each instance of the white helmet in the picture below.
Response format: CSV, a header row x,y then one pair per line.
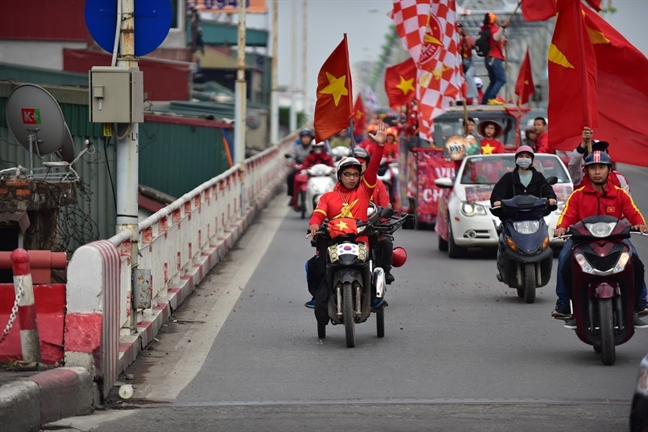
x,y
346,163
479,83
318,145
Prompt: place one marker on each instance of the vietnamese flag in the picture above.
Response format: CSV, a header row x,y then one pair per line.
x,y
524,86
400,82
342,226
622,94
333,109
359,116
572,76
542,10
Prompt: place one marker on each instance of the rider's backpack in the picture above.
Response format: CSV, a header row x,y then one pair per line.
x,y
483,42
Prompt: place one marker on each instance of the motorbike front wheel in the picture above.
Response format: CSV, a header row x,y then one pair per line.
x,y
606,317
529,282
347,313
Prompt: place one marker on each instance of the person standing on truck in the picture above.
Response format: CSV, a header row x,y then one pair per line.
x,y
490,45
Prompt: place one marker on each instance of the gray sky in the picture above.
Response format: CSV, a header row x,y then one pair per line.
x,y
366,23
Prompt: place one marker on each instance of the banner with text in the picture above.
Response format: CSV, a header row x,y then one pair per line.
x,y
430,165
229,6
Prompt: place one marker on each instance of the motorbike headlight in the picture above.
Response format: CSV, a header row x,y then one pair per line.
x,y
526,227
601,229
582,262
620,265
469,209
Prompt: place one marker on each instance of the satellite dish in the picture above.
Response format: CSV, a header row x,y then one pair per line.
x,y
33,112
66,152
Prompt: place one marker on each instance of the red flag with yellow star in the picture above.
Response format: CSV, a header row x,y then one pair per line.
x,y
359,116
524,86
342,226
334,108
572,75
400,83
542,10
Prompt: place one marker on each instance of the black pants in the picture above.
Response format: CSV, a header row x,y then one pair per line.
x,y
384,250
638,270
291,181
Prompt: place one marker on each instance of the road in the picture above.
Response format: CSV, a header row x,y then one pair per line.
x,y
461,352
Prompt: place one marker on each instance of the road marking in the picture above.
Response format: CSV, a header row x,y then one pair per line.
x,y
235,274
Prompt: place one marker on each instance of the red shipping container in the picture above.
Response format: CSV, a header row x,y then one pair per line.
x,y
163,80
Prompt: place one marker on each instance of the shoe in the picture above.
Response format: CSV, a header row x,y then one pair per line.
x,y
495,102
643,308
570,324
389,278
562,311
310,304
376,303
639,323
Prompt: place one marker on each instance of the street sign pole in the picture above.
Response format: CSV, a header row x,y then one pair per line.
x,y
128,147
240,103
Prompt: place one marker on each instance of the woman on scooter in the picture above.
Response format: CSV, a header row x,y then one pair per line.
x,y
318,155
350,199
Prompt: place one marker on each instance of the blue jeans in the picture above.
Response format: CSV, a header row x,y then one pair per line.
x,y
565,255
497,77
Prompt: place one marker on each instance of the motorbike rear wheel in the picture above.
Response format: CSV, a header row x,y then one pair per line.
x,y
347,314
529,283
380,322
606,323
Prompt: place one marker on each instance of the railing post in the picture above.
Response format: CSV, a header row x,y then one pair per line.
x,y
29,340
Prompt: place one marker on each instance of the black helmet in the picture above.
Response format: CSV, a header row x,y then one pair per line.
x,y
598,157
307,132
360,153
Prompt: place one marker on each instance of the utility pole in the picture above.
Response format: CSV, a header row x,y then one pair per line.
x,y
274,107
241,99
293,85
128,147
304,58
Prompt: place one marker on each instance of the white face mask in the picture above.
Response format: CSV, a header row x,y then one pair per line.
x,y
523,163
318,150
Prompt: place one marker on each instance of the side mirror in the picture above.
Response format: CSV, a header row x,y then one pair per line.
x,y
552,180
444,183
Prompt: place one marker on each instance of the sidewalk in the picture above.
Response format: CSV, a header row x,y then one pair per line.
x,y
29,400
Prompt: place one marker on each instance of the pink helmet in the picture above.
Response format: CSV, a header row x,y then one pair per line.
x,y
524,149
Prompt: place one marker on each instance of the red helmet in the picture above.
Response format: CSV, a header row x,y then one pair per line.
x,y
399,256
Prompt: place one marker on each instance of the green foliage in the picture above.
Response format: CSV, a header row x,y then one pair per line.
x,y
284,117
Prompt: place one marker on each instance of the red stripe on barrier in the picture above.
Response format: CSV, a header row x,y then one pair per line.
x,y
27,317
82,332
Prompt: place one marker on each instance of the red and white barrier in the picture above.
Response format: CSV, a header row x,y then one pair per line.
x,y
179,244
29,341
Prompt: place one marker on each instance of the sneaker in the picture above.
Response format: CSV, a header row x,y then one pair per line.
x,y
389,278
495,102
310,304
570,324
638,323
376,303
643,308
562,311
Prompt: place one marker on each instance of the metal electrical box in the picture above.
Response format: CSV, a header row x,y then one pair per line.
x,y
116,95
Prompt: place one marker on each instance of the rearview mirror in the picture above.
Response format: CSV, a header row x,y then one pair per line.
x,y
443,183
552,180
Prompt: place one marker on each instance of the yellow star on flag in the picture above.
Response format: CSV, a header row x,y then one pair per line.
x,y
359,114
556,56
342,225
487,149
405,85
336,87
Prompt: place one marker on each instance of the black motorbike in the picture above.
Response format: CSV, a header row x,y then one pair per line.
x,y
352,279
524,258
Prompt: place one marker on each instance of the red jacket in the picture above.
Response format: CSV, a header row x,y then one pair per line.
x,y
586,202
542,143
493,146
317,158
380,196
331,204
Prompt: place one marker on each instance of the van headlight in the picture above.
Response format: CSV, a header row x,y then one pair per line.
x,y
470,209
526,227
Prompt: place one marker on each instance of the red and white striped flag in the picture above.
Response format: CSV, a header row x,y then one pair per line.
x,y
434,47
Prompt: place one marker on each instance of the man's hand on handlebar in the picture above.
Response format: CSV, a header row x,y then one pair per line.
x,y
552,202
559,232
313,229
643,229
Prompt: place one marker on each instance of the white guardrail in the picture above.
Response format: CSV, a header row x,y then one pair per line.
x,y
179,245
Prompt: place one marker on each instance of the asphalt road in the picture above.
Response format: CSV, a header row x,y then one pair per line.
x,y
461,351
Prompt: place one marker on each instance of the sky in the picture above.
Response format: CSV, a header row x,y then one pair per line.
x,y
366,24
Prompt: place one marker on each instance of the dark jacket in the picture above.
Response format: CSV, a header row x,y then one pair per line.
x,y
510,186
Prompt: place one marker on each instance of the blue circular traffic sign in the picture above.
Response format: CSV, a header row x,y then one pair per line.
x,y
152,23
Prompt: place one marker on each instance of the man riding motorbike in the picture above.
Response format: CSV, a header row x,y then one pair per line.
x,y
350,199
598,197
299,152
523,180
318,155
381,199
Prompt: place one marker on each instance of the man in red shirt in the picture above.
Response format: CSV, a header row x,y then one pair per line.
x,y
494,60
598,197
349,199
542,140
